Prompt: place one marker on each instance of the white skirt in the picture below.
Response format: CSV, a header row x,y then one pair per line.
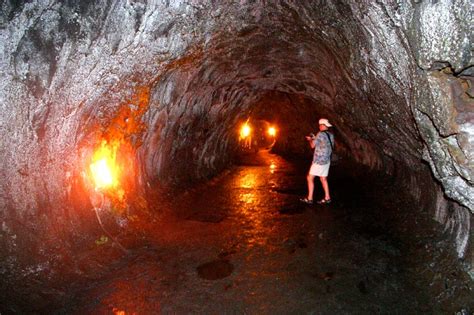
x,y
319,170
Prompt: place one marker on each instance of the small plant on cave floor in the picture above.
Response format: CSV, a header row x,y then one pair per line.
x,y
102,240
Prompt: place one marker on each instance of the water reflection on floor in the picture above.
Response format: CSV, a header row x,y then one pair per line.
x,y
244,244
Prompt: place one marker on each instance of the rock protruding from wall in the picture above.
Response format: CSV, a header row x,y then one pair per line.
x,y
440,33
445,118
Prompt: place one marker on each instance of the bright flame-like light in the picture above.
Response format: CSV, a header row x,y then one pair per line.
x,y
245,131
103,168
272,131
101,174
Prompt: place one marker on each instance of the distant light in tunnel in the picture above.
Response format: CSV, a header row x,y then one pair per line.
x,y
272,131
272,167
245,131
120,312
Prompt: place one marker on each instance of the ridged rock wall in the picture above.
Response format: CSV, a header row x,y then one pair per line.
x,y
173,80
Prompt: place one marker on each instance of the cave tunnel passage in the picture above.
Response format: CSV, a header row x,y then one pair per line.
x,y
183,219
243,242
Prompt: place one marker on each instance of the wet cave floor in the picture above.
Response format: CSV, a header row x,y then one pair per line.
x,y
243,243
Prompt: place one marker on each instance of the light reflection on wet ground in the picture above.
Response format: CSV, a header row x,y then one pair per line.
x,y
265,252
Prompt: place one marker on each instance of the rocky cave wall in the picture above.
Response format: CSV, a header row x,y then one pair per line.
x,y
174,79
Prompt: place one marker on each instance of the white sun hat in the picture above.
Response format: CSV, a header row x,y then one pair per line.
x,y
324,121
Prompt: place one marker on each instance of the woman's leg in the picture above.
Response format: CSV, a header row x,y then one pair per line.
x,y
324,182
310,179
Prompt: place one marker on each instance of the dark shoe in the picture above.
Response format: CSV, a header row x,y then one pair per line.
x,y
306,201
324,201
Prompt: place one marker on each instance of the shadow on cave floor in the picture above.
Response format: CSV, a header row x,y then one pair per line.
x,y
243,243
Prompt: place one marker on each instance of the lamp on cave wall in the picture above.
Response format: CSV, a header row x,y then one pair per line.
x,y
105,173
104,168
245,131
272,131
246,135
102,174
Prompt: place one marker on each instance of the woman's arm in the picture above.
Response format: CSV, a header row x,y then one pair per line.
x,y
312,141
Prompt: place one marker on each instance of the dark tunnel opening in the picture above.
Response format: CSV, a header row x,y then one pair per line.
x,y
120,120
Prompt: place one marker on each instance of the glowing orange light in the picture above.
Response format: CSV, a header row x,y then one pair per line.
x,y
272,131
101,173
245,131
272,167
120,312
104,168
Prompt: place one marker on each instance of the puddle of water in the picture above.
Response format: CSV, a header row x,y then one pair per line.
x,y
288,191
226,254
216,269
207,217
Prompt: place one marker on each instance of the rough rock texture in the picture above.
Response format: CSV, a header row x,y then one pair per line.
x,y
444,107
173,80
